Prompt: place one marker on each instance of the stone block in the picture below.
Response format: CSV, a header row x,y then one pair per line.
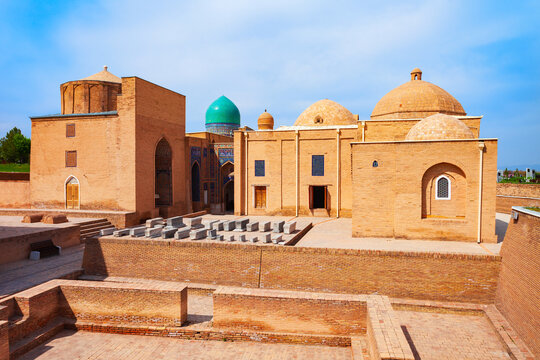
x,y
197,234
137,231
229,225
265,226
168,232
161,226
182,234
241,224
241,237
254,239
277,238
150,223
266,238
277,226
220,237
194,223
218,225
229,238
105,232
252,226
176,222
212,233
122,232
35,255
153,232
209,223
290,227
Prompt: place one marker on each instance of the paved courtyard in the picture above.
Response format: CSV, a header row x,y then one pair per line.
x,y
436,336
86,345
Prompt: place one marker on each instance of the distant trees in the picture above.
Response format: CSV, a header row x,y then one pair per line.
x,y
15,147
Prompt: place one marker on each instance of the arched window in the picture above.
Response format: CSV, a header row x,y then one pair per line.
x,y
442,191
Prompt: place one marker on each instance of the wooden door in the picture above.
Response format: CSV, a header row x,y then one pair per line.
x,y
72,196
260,196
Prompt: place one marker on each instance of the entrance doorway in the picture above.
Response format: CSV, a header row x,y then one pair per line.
x,y
163,161
228,195
260,197
195,183
318,197
72,193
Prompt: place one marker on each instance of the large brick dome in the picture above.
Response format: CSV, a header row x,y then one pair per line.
x,y
325,112
438,127
416,99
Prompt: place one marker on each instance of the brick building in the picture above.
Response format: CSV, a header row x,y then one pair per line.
x,y
119,145
411,171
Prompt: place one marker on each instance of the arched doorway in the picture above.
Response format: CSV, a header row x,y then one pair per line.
x,y
228,195
163,164
195,184
72,193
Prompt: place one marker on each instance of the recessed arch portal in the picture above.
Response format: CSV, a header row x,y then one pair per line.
x,y
444,191
163,170
72,192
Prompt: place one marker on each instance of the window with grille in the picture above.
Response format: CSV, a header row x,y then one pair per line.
x,y
443,188
317,165
71,158
70,130
259,167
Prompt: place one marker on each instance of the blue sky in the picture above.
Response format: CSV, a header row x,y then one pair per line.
x,y
283,56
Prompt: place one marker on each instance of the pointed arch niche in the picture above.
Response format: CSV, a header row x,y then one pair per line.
x,y
72,193
444,192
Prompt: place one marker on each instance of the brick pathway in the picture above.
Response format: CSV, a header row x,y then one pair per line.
x,y
86,345
447,336
21,275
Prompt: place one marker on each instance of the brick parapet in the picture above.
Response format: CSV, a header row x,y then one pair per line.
x,y
519,190
517,293
465,278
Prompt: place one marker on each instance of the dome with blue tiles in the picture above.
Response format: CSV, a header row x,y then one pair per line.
x,y
222,117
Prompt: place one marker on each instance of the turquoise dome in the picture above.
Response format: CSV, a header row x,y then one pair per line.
x,y
223,111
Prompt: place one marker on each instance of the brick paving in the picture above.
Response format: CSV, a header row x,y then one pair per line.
x,y
449,336
20,275
86,345
336,233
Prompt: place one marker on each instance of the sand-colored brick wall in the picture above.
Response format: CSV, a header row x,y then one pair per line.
x,y
405,275
289,311
105,163
158,113
278,150
388,198
17,248
509,195
519,190
519,281
100,302
15,193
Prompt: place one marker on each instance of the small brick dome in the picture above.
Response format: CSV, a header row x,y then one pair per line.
x,y
440,126
265,121
325,112
416,99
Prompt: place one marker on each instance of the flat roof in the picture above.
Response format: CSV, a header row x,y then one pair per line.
x,y
105,113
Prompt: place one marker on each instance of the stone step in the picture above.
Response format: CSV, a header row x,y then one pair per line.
x,y
93,221
96,229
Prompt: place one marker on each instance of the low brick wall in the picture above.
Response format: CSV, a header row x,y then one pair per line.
x,y
15,190
519,190
17,248
97,303
469,278
519,282
505,203
289,311
509,195
117,218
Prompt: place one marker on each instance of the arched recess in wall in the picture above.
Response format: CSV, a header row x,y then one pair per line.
x,y
228,185
195,183
444,192
72,192
163,170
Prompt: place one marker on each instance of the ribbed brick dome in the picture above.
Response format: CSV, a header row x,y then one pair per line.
x,y
265,121
416,99
325,112
440,126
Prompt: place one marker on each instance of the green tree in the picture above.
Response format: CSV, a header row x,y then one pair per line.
x,y
505,173
15,147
